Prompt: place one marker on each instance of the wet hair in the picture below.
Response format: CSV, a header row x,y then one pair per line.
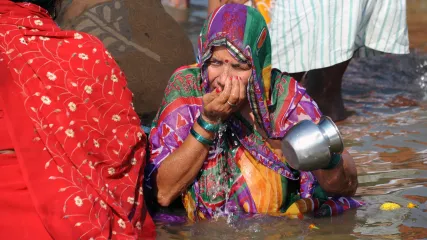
x,y
52,6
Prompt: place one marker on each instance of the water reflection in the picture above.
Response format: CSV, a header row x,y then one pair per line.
x,y
387,135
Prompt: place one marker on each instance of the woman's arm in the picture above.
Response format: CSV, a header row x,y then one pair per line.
x,y
212,5
342,180
180,168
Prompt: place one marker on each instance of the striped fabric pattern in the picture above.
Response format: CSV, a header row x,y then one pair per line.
x,y
312,34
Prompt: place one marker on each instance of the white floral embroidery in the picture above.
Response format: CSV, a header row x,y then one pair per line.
x,y
134,161
103,205
96,143
131,200
116,118
138,225
121,223
22,40
38,22
44,38
78,201
45,100
88,89
91,165
94,50
32,38
111,171
77,36
72,106
83,56
108,54
51,76
139,134
69,132
114,78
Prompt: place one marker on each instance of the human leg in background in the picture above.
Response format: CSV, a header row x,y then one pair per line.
x,y
325,87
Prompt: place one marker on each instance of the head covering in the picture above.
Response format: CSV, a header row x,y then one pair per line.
x,y
276,100
244,32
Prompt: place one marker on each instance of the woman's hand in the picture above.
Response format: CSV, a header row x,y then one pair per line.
x,y
220,103
340,181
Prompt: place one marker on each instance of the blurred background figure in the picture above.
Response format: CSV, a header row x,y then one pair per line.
x,y
146,42
324,36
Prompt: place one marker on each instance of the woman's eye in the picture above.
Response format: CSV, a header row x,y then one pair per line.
x,y
215,63
240,67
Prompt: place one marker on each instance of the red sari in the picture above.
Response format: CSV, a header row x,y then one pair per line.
x,y
66,111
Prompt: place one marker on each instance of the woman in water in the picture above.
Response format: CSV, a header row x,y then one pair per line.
x,y
216,137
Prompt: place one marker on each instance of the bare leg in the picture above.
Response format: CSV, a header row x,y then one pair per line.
x,y
324,86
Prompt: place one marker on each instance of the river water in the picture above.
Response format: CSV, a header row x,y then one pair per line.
x,y
387,136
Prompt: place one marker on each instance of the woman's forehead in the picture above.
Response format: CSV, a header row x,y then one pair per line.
x,y
224,52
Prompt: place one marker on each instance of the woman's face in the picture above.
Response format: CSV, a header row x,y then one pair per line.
x,y
223,65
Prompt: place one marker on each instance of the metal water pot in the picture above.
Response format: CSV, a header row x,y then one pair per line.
x,y
308,146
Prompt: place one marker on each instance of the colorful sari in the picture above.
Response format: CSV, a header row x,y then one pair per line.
x,y
77,171
242,173
265,7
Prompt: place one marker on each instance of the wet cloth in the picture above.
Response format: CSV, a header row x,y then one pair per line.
x,y
310,34
241,174
142,37
79,148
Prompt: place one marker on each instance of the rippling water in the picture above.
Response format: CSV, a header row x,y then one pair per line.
x,y
387,135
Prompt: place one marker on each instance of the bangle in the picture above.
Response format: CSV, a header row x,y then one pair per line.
x,y
207,126
335,160
200,138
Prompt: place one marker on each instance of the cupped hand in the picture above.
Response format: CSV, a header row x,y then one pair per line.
x,y
220,103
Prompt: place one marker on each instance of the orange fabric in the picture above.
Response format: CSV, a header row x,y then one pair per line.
x,y
264,184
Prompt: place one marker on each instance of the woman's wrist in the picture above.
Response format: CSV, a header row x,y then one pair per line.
x,y
204,134
207,124
209,119
336,159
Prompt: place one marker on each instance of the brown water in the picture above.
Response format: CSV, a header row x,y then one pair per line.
x,y
387,135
